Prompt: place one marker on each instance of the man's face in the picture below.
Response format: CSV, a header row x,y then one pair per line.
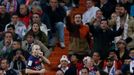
x,y
15,45
96,56
10,30
36,18
99,14
8,37
122,11
64,63
4,64
73,58
23,9
84,72
104,25
14,18
109,63
89,4
53,3
30,39
117,10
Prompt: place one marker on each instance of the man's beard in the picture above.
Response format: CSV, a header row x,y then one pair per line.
x,y
122,15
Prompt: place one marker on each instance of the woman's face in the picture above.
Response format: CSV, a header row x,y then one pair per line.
x,y
35,27
77,19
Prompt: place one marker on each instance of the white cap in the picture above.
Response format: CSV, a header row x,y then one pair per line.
x,y
87,58
64,57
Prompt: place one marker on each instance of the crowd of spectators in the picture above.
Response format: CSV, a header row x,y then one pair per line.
x,y
101,38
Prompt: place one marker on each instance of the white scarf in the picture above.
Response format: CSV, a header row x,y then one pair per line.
x,y
124,34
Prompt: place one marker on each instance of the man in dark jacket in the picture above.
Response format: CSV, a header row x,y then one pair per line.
x,y
103,37
56,15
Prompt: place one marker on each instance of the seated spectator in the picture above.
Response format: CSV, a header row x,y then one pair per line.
x,y
109,66
36,18
29,41
20,27
122,51
5,68
118,62
98,63
4,17
5,44
24,15
89,63
36,9
38,34
37,56
126,67
11,29
56,15
64,63
84,71
18,63
75,65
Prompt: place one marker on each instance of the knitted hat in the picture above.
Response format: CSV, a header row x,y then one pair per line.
x,y
64,57
87,58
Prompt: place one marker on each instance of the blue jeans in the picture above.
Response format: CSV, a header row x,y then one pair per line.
x,y
52,37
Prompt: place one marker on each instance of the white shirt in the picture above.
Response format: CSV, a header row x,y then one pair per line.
x,y
89,14
20,28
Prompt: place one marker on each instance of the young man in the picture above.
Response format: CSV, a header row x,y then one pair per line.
x,y
5,70
20,28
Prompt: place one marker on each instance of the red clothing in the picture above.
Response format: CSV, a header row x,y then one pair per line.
x,y
25,20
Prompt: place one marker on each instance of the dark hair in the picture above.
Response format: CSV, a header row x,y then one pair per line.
x,y
14,14
86,69
5,59
131,49
29,34
7,32
104,20
11,26
17,40
122,5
